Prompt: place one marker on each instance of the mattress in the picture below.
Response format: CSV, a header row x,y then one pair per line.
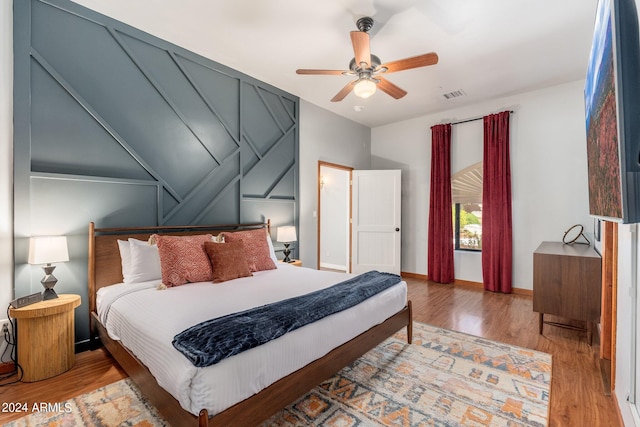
x,y
146,319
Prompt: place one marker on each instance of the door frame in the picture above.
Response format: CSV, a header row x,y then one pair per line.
x,y
609,310
319,187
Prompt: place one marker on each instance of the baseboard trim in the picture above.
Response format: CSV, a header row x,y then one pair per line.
x,y
7,368
414,275
333,266
469,283
515,291
525,292
459,282
83,345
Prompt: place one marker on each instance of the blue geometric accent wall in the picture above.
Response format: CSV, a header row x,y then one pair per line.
x,y
116,126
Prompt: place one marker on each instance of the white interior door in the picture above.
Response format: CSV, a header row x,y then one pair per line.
x,y
376,221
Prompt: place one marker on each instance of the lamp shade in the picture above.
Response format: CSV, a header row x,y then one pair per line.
x,y
286,234
45,250
364,88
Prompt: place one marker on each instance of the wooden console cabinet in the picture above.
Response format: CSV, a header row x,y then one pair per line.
x,y
567,282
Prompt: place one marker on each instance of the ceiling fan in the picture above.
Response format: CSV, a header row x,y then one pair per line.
x,y
367,68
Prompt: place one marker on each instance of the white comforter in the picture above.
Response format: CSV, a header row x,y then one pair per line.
x,y
146,320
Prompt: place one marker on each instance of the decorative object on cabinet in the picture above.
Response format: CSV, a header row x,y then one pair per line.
x,y
286,235
574,233
47,250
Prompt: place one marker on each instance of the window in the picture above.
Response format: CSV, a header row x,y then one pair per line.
x,y
467,226
466,194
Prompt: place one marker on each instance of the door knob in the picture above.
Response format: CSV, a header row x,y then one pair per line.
x,y
397,229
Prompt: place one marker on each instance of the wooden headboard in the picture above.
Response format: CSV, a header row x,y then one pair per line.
x,y
105,266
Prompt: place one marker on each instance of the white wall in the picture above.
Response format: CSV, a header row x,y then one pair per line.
x,y
6,156
548,170
328,137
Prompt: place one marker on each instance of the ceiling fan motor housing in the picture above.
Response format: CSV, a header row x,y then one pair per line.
x,y
364,24
375,63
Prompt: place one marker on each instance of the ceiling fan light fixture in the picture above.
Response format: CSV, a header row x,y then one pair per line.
x,y
364,88
367,67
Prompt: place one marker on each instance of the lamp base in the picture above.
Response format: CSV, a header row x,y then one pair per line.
x,y
286,253
48,282
49,294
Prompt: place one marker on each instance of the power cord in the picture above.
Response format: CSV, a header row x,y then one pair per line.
x,y
11,339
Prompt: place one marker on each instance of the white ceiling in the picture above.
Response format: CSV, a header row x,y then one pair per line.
x,y
487,48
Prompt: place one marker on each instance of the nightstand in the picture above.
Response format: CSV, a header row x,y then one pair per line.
x,y
296,262
46,337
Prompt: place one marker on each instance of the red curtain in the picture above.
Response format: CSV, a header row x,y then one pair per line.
x,y
496,205
440,239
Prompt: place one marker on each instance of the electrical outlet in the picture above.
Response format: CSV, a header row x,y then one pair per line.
x,y
5,353
5,326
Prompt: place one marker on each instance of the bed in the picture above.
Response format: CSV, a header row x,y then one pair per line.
x,y
244,389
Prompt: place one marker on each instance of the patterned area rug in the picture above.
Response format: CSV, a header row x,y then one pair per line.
x,y
445,378
117,404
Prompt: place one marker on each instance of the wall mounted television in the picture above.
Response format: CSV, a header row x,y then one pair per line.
x,y
612,107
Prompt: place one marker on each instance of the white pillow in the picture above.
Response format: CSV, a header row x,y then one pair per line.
x,y
125,257
272,252
144,262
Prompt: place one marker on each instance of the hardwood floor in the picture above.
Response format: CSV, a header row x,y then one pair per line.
x,y
92,370
577,394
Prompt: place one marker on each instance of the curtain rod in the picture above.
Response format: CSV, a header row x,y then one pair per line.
x,y
474,119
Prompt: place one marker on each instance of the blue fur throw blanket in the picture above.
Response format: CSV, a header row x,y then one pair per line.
x,y
211,341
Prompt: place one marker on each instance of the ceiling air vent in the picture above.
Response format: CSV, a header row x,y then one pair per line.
x,y
454,94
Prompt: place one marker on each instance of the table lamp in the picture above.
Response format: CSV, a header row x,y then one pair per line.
x,y
47,250
286,235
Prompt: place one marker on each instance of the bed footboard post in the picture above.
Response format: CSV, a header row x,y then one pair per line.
x,y
410,324
203,418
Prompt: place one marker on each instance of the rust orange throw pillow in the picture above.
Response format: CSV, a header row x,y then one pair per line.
x,y
227,260
256,248
183,259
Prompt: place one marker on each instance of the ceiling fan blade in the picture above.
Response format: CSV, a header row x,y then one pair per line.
x,y
344,92
413,62
390,89
360,41
330,72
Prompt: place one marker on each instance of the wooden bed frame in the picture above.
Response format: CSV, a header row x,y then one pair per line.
x,y
105,269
